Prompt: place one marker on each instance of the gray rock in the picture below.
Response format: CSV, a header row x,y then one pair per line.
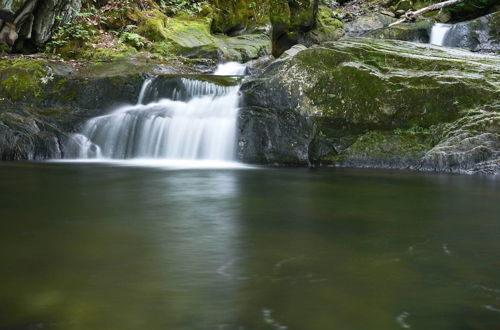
x,y
470,145
479,35
45,17
373,103
268,137
366,23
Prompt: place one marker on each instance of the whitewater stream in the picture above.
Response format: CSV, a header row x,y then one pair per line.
x,y
195,126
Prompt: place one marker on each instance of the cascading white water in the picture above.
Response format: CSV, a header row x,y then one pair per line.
x,y
145,86
438,33
202,128
230,69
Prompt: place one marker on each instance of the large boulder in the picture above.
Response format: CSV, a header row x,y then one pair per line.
x,y
367,23
239,16
418,31
290,19
191,37
368,102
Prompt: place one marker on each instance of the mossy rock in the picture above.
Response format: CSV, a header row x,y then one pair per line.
x,y
399,149
235,17
471,144
367,23
23,78
380,103
328,28
366,83
291,19
418,31
191,37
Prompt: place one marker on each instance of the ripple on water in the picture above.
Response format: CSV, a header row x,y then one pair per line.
x,y
401,320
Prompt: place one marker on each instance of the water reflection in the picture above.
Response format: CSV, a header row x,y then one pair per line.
x,y
105,247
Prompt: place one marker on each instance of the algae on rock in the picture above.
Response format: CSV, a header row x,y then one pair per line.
x,y
364,98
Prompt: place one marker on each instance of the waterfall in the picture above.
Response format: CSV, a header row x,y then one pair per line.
x,y
230,69
438,33
196,121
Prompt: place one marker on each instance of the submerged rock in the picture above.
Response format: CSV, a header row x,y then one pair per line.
x,y
367,102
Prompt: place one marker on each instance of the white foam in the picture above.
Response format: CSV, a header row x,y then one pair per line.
x,y
438,33
230,69
173,164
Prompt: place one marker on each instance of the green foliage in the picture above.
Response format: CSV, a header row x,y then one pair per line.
x,y
133,39
82,30
190,7
22,78
79,31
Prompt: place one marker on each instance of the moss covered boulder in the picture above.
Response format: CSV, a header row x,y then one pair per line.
x,y
366,23
239,16
290,19
418,31
192,37
372,101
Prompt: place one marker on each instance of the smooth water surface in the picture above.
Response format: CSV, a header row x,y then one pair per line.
x,y
104,247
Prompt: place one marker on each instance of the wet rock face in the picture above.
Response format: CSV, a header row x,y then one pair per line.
x,y
481,34
367,23
372,103
24,138
267,137
239,16
290,19
42,102
478,35
469,145
416,32
34,21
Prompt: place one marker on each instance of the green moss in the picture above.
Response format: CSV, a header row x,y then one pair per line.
x,y
151,24
386,145
22,78
367,83
238,15
4,49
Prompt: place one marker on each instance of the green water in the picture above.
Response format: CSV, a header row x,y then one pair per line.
x,y
89,246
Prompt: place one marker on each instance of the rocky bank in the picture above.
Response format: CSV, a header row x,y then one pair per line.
x,y
378,97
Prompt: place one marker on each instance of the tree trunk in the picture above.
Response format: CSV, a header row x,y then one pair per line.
x,y
411,15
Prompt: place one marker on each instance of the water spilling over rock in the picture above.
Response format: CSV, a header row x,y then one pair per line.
x,y
479,35
438,33
195,120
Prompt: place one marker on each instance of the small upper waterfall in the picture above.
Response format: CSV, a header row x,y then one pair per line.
x,y
438,33
196,121
230,69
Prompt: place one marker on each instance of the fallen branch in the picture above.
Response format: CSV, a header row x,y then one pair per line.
x,y
412,15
